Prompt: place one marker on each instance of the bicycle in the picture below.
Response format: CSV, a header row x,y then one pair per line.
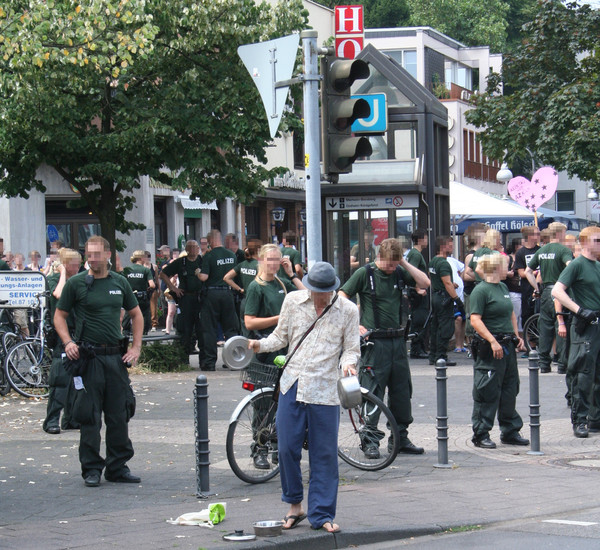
x,y
9,336
252,430
27,364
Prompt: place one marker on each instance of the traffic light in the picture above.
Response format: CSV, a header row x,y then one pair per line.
x,y
338,112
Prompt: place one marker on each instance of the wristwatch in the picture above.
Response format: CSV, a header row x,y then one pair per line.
x,y
294,276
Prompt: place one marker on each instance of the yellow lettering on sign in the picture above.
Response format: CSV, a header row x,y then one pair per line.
x,y
306,160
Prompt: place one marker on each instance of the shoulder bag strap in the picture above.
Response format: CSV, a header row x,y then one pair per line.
x,y
371,275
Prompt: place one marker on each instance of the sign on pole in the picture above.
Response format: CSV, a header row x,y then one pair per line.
x,y
269,63
20,288
376,122
349,31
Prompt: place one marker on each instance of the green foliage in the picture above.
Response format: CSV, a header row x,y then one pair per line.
x,y
473,22
105,92
552,101
163,357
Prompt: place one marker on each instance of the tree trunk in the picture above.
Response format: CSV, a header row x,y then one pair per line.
x,y
107,217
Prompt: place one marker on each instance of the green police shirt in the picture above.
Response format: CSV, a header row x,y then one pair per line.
x,y
138,277
438,268
265,300
492,301
185,269
295,259
415,258
475,258
582,278
98,306
552,258
216,264
389,296
245,273
4,266
53,281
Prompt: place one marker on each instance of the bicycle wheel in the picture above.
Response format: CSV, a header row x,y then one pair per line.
x,y
369,438
531,333
252,438
27,367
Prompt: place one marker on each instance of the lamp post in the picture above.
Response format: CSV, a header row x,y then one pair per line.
x,y
302,232
504,175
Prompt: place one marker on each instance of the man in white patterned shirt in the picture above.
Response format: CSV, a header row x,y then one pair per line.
x,y
309,401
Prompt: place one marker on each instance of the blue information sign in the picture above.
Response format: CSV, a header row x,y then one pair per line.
x,y
52,233
377,122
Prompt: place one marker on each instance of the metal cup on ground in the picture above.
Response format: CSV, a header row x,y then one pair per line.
x,y
236,354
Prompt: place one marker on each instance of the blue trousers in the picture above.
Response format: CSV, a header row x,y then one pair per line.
x,y
294,419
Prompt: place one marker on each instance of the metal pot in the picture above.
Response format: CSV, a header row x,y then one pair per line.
x,y
349,392
268,528
236,354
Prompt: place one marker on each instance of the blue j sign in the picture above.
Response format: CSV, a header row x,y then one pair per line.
x,y
377,122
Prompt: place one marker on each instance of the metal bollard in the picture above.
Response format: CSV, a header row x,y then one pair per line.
x,y
534,403
201,425
442,414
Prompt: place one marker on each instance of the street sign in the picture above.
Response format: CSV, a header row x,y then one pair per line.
x,y
52,233
268,63
20,288
349,31
371,202
377,121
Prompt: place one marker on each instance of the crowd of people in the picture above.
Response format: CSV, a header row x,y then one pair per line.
x,y
214,290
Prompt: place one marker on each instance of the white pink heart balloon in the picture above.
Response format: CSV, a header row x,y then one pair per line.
x,y
532,194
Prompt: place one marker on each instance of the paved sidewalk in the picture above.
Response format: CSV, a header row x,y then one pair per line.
x,y
44,504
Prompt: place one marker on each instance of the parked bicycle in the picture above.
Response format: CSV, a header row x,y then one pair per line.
x,y
27,364
10,335
252,429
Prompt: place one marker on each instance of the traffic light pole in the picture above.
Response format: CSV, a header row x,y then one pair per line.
x,y
314,247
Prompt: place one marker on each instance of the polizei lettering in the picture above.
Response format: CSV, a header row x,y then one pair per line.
x,y
117,292
226,261
547,256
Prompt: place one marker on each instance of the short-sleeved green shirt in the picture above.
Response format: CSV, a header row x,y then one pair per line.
x,y
138,276
438,268
98,307
415,258
492,301
552,258
266,300
245,273
295,259
389,296
53,281
4,266
582,278
216,263
185,269
475,258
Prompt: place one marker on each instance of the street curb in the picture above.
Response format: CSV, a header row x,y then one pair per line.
x,y
318,540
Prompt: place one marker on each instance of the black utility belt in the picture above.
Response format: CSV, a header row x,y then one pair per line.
x,y
191,293
106,350
219,288
386,333
545,286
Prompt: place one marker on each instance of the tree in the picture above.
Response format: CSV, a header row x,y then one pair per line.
x,y
473,22
552,106
105,92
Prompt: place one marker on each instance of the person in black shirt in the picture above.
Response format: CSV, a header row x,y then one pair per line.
x,y
531,236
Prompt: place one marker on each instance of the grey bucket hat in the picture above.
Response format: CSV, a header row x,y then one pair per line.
x,y
321,278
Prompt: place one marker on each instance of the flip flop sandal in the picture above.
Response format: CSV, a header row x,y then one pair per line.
x,y
295,521
327,530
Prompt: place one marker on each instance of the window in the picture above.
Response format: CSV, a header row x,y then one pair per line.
x,y
406,58
565,201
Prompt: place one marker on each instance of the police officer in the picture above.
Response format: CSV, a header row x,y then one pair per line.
x,y
582,279
141,281
495,375
289,251
59,382
242,275
97,296
418,297
3,265
187,268
443,298
218,305
551,259
385,363
531,236
491,243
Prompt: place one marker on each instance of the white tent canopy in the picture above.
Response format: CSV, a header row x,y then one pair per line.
x,y
466,201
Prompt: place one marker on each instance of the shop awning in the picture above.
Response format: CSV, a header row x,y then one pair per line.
x,y
195,204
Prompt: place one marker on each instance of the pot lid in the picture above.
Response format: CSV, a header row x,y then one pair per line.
x,y
236,354
239,535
